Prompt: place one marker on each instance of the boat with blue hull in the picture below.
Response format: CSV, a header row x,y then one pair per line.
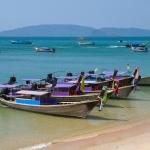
x,y
41,102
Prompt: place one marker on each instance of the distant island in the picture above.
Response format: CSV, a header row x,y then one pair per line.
x,y
66,30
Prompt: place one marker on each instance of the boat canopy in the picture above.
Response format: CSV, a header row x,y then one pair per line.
x,y
35,93
92,74
62,85
85,81
68,77
31,79
2,86
110,73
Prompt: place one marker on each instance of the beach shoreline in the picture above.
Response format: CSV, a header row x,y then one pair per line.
x,y
131,136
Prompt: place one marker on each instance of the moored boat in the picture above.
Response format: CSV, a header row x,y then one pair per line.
x,y
40,102
67,92
20,42
139,49
44,49
123,92
86,43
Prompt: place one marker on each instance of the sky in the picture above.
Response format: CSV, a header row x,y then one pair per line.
x,y
92,13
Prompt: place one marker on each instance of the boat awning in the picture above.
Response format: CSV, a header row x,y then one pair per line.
x,y
36,93
92,75
67,77
110,73
31,79
7,86
85,82
62,85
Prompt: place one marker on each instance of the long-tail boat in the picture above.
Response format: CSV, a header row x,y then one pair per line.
x,y
41,102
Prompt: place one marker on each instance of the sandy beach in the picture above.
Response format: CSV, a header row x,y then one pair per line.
x,y
131,136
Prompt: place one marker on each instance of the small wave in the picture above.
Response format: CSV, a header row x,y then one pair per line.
x,y
115,46
37,147
91,47
64,47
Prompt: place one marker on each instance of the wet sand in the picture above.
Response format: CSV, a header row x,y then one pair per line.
x,y
131,133
131,136
122,125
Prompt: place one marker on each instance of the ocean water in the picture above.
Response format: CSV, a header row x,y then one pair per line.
x,y
21,129
108,53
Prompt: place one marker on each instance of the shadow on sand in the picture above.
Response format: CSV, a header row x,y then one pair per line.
x,y
94,117
113,106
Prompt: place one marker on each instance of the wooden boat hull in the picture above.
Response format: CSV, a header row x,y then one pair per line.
x,y
123,92
145,81
122,82
76,98
74,109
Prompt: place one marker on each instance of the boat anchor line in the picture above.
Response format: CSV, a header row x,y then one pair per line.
x,y
37,147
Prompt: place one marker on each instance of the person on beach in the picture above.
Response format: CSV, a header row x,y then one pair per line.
x,y
80,84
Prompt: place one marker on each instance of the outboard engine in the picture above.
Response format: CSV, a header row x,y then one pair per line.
x,y
49,78
54,82
69,74
115,73
91,72
12,80
27,82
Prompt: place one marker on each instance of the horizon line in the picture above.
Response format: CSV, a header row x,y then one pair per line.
x,y
34,25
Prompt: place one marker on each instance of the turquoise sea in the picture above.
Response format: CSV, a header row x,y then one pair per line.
x,y
20,129
108,53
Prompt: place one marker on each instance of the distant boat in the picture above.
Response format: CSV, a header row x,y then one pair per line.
x,y
120,41
139,49
82,38
86,43
44,49
129,45
20,42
